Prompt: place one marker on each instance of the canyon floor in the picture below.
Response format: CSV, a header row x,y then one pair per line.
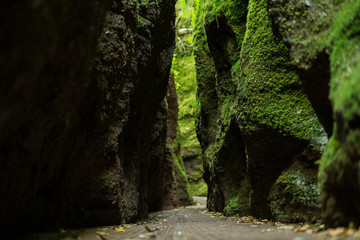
x,y
195,223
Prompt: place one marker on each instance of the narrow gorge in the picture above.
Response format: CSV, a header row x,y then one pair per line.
x,y
112,110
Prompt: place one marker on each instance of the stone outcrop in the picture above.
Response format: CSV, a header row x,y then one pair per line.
x,y
323,38
255,123
81,114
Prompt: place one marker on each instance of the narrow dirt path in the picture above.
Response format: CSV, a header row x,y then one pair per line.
x,y
191,223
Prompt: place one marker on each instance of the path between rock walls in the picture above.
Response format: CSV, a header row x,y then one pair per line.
x,y
193,223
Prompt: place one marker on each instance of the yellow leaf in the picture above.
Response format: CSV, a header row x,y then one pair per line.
x,y
120,229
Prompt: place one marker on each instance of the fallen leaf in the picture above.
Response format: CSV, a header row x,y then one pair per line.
x,y
336,232
149,229
120,229
102,233
303,228
286,227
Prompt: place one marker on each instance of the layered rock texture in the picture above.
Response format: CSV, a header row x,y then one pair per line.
x,y
83,118
324,41
259,134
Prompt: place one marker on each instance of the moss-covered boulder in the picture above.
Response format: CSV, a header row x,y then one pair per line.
x,y
323,37
254,122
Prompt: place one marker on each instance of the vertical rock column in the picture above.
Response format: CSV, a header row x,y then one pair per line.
x,y
78,122
47,120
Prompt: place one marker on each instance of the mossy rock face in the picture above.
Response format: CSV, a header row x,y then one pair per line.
x,y
194,171
340,167
216,35
183,68
276,118
304,26
258,120
295,196
334,37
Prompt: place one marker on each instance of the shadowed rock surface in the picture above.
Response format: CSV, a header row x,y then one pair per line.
x,y
80,114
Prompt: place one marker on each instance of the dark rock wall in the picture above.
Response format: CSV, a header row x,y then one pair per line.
x,y
322,37
255,123
47,52
80,115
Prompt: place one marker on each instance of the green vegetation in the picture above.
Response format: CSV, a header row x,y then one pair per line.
x,y
185,80
300,188
183,68
345,61
249,86
340,159
216,91
271,95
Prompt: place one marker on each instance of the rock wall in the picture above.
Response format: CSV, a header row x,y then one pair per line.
x,y
80,114
184,71
258,131
323,38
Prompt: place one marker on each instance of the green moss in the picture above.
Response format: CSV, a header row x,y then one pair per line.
x,y
304,28
233,207
260,92
345,61
185,80
344,95
181,180
183,67
198,188
332,152
269,89
301,191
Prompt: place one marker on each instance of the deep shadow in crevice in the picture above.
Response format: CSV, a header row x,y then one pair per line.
x,y
269,153
224,50
316,82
